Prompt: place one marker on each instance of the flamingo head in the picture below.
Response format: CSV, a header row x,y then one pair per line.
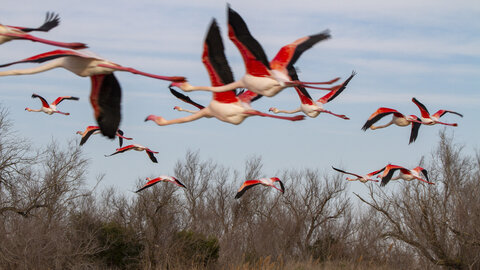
x,y
150,117
28,109
273,109
79,132
177,108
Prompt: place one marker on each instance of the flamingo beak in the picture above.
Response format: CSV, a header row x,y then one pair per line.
x,y
150,117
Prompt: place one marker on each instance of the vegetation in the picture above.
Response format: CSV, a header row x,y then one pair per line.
x,y
50,220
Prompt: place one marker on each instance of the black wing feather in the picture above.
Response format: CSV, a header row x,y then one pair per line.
x,y
85,138
372,121
313,39
342,87
387,177
51,20
240,193
185,98
216,53
242,33
414,132
109,99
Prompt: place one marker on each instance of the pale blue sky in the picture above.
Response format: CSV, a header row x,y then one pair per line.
x,y
424,49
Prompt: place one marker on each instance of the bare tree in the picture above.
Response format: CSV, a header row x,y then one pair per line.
x,y
439,222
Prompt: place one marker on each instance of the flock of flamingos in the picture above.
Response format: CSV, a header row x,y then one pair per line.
x,y
231,100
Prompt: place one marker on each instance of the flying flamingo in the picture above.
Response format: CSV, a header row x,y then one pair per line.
x,y
310,107
8,33
226,106
136,147
398,119
154,181
428,119
91,130
105,95
50,108
361,178
405,174
262,77
269,182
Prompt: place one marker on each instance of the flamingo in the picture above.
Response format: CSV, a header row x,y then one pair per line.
x,y
91,130
361,178
405,174
428,119
105,95
226,106
50,108
310,107
269,182
262,77
136,147
154,181
8,33
398,119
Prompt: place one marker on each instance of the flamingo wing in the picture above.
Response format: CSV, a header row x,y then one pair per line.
x,y
248,96
105,97
379,114
150,183
423,110
178,183
44,101
375,172
414,131
282,187
388,173
40,58
289,54
123,149
60,99
342,171
185,98
336,90
302,92
246,185
216,63
254,56
91,130
424,173
51,20
440,113
151,156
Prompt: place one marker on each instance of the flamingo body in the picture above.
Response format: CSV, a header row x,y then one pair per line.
x,y
262,77
50,108
105,95
159,179
433,119
92,130
405,174
269,182
136,147
228,106
9,33
361,178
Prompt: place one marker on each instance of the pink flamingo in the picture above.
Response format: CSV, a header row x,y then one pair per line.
x,y
50,108
268,182
159,179
405,174
310,107
262,77
105,95
361,178
91,130
136,147
428,119
226,106
8,33
398,119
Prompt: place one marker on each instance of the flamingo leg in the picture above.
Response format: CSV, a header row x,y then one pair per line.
x,y
447,124
327,82
418,178
134,71
293,118
64,113
73,45
334,114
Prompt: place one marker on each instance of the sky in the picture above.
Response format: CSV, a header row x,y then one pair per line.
x,y
424,49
